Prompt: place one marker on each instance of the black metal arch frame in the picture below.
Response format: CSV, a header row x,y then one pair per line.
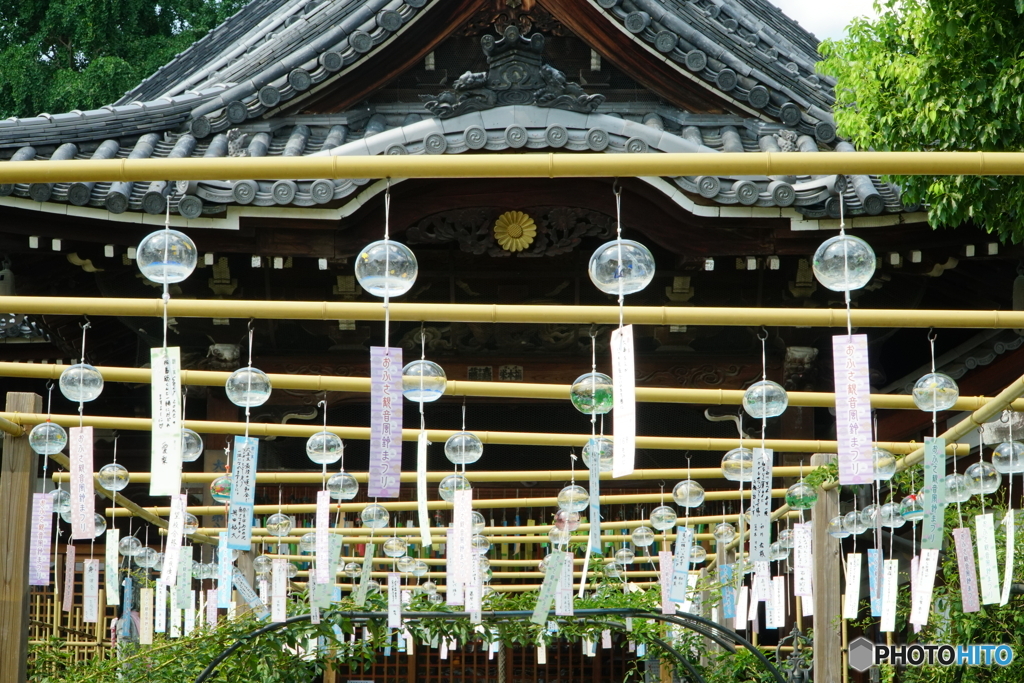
x,y
724,637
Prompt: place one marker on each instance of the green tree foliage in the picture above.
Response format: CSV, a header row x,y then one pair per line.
x,y
60,55
938,75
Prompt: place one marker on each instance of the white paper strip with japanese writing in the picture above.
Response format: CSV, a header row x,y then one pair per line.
x,y
921,600
165,458
364,576
211,607
853,409
145,616
1011,534
184,577
852,595
665,568
802,566
83,502
190,613
968,578
323,546
761,505
779,602
160,607
175,530
742,608
875,581
90,591
594,537
624,395
278,590
563,604
249,596
224,573
987,563
39,545
421,489
890,588
934,511
394,600
385,422
175,624
111,573
454,595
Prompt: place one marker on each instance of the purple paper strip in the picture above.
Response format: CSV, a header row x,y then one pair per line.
x,y
83,497
39,546
853,409
385,422
968,572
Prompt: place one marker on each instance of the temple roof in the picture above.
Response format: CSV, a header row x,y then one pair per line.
x,y
223,97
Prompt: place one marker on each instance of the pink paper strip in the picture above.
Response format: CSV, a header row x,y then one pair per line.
x,y
665,568
69,579
853,409
83,496
385,422
968,572
39,546
802,565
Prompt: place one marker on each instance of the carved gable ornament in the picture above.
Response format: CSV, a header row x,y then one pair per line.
x,y
516,75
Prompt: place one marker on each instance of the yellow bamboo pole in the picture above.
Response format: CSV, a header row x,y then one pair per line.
x,y
442,435
318,383
531,165
538,476
480,504
501,313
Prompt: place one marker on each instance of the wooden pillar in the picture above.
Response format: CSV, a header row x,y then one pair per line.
x,y
828,645
17,477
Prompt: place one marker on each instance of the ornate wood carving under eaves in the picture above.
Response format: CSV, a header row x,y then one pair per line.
x,y
516,75
526,17
559,230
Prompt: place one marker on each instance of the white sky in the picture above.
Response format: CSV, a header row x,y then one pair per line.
x,y
826,20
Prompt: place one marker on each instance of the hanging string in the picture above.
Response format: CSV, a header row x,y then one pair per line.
x,y
49,403
167,258
1013,452
593,382
81,404
249,379
387,262
113,494
935,390
621,270
323,442
959,512
763,336
846,264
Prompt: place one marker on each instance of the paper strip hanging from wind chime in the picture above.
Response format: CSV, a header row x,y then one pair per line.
x,y
165,457
39,544
243,492
83,502
624,401
385,422
853,409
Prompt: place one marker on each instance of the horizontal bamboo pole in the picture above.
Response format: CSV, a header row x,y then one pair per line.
x,y
530,165
539,476
440,540
319,383
502,313
480,504
500,588
441,435
11,428
440,561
